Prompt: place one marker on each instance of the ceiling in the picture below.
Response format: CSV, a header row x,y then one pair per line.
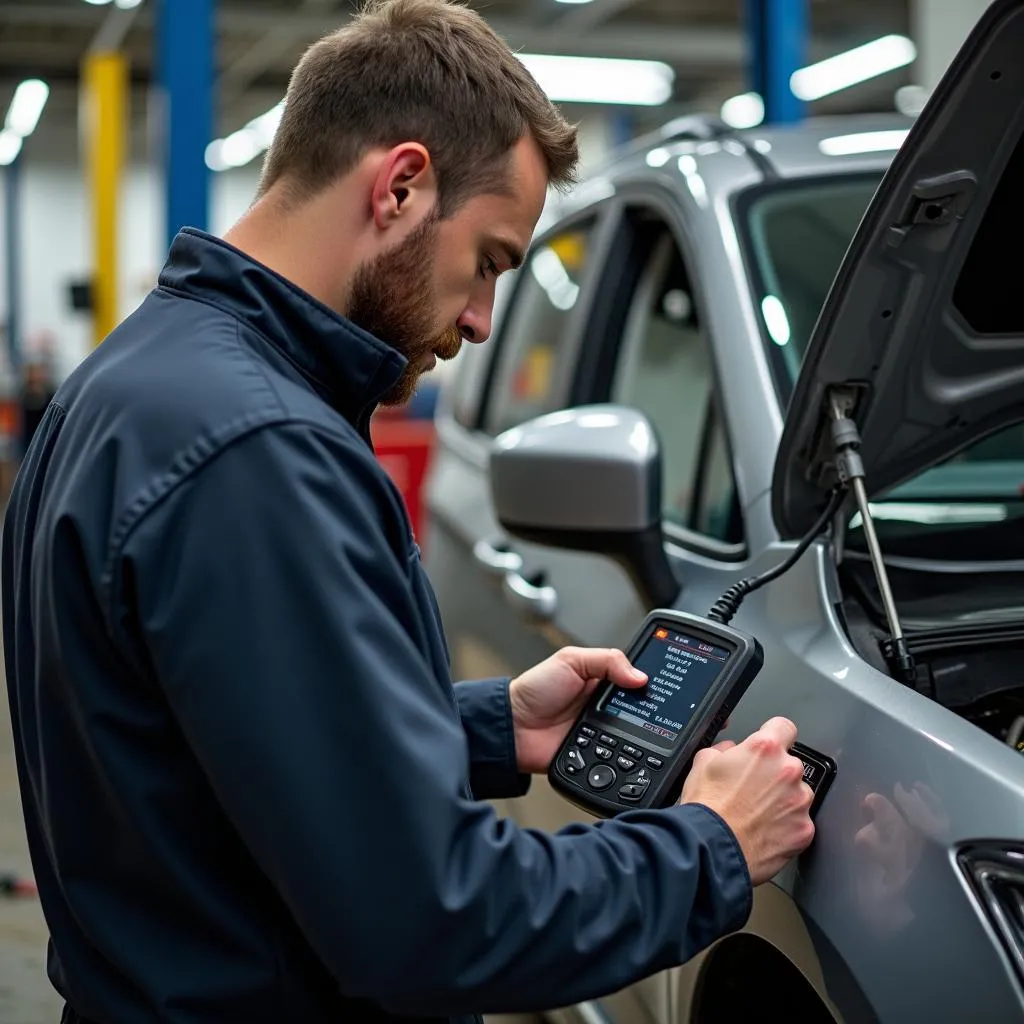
x,y
259,41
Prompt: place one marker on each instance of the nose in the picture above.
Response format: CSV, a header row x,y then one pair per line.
x,y
475,322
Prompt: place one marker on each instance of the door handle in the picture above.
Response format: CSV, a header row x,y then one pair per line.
x,y
496,559
536,599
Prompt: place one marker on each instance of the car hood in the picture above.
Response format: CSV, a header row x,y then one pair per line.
x,y
922,332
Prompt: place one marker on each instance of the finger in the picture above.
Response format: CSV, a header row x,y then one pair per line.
x,y
606,663
868,840
780,729
928,797
724,745
874,803
705,754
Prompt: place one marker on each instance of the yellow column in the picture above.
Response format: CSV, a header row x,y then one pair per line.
x,y
105,78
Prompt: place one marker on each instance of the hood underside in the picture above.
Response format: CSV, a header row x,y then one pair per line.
x,y
923,329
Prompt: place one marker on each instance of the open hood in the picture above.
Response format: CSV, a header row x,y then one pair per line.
x,y
923,330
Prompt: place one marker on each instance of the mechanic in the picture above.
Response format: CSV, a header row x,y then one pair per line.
x,y
252,792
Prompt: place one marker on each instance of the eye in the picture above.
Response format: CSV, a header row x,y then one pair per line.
x,y
488,267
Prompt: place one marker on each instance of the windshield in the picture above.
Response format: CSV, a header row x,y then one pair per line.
x,y
797,235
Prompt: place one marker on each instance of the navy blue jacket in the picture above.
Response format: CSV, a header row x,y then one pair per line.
x,y
252,792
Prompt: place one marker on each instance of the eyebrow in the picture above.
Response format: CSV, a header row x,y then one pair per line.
x,y
512,252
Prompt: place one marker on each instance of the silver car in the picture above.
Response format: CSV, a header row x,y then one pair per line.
x,y
624,443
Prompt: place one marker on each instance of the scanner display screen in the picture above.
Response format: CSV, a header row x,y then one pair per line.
x,y
680,671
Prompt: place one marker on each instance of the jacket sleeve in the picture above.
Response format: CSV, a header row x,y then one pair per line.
x,y
487,720
278,619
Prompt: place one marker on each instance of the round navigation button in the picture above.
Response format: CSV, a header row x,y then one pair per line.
x,y
600,777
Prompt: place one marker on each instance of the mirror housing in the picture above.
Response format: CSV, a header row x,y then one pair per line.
x,y
587,479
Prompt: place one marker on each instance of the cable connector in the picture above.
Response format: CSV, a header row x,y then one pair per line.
x,y
729,603
846,443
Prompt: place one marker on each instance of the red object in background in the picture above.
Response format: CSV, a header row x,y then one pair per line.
x,y
404,447
13,885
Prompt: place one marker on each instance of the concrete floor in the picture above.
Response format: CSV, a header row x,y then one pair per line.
x,y
26,996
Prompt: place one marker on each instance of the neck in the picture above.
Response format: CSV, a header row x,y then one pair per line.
x,y
301,243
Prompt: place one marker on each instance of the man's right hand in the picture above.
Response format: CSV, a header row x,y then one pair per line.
x,y
757,788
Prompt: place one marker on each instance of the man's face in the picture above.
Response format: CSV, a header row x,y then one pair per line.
x,y
426,294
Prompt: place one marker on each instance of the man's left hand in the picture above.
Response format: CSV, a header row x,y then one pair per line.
x,y
547,698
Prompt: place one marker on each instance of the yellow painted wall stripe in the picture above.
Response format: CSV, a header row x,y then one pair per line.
x,y
105,80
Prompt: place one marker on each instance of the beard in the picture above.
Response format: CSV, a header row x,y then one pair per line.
x,y
392,297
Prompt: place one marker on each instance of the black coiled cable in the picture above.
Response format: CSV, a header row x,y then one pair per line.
x,y
729,603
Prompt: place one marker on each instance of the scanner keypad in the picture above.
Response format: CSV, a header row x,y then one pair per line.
x,y
636,766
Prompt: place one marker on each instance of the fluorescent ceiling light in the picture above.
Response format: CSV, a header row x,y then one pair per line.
x,y
127,5
852,67
828,76
565,79
243,146
10,146
645,83
27,106
863,142
97,3
743,111
573,1
932,512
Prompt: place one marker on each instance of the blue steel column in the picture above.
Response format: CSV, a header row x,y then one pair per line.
x,y
186,61
621,127
777,38
12,253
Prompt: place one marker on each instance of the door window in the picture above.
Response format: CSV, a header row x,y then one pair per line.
x,y
665,371
534,351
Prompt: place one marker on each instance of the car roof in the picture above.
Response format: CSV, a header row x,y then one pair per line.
x,y
814,147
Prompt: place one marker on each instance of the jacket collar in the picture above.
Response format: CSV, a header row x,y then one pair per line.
x,y
348,367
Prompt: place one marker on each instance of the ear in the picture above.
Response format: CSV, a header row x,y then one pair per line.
x,y
405,186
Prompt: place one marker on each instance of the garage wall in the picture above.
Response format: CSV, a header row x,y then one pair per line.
x,y
56,245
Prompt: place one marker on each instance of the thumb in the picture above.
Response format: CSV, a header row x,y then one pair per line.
x,y
607,663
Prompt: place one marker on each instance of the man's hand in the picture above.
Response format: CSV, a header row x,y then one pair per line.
x,y
757,788
547,698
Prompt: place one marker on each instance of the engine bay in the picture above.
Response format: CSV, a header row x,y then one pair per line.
x,y
968,659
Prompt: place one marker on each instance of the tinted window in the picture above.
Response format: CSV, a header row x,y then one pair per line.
x,y
534,353
717,512
665,371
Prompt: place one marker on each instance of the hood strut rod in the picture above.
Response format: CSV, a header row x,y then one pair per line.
x,y
850,467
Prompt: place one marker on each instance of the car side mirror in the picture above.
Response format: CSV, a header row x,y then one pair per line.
x,y
587,479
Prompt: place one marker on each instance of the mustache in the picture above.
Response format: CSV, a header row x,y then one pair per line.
x,y
449,344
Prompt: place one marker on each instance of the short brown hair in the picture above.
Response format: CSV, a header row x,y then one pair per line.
x,y
429,71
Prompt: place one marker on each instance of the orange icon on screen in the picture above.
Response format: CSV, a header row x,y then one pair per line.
x,y
661,634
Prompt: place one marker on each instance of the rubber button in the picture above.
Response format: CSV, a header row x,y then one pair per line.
x,y
600,777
